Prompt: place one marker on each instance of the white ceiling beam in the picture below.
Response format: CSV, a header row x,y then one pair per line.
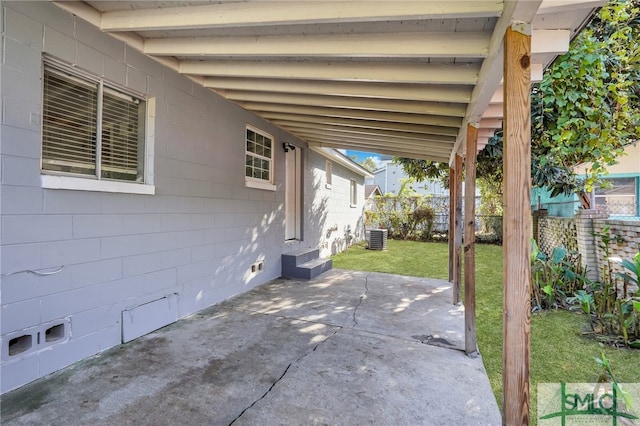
x,y
364,124
482,142
498,95
412,92
229,15
91,15
341,71
366,134
381,45
490,123
493,111
374,144
485,133
558,6
265,110
550,41
393,105
395,151
373,45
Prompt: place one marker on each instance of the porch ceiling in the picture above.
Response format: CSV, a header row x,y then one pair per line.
x,y
396,77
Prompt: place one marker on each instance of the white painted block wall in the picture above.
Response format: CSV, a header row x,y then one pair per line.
x,y
196,238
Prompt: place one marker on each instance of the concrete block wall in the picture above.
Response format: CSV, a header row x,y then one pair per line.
x,y
334,222
625,243
194,240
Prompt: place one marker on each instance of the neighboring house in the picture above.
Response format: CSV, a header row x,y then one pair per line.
x,y
621,198
131,196
371,191
390,176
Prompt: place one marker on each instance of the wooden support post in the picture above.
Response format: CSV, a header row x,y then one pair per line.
x,y
452,223
470,344
457,234
517,225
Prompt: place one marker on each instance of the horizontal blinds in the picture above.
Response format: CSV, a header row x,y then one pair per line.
x,y
120,129
69,124
71,113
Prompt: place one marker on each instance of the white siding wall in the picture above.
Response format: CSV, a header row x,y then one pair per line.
x,y
196,238
332,219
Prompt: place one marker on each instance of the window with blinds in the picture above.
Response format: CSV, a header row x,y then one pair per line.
x,y
91,129
259,156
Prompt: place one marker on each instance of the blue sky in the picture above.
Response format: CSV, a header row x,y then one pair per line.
x,y
361,156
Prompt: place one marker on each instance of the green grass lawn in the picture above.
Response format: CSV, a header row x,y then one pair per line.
x,y
558,352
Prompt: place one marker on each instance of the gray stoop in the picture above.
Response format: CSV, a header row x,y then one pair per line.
x,y
304,263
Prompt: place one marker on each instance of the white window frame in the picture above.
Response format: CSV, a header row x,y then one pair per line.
x,y
61,180
353,193
329,174
257,183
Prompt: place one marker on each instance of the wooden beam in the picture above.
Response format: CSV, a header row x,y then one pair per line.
x,y
457,235
341,71
463,44
232,15
406,91
452,225
517,226
470,342
390,105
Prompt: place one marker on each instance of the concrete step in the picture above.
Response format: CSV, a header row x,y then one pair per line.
x,y
308,270
298,257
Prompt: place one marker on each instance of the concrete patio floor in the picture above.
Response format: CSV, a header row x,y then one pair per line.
x,y
345,348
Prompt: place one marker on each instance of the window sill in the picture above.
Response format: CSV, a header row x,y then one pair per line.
x,y
83,184
260,185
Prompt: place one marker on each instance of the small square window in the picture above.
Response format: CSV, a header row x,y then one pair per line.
x,y
619,197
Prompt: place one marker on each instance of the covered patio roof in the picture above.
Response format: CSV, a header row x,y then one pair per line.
x,y
393,77
419,79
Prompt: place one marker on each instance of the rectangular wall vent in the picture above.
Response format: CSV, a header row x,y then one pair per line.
x,y
142,319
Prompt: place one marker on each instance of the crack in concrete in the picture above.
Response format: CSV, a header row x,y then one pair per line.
x,y
362,297
284,373
286,370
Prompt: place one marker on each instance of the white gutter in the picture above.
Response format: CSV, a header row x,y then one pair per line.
x,y
343,160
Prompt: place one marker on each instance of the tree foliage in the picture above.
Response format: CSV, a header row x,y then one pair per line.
x,y
369,164
586,109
